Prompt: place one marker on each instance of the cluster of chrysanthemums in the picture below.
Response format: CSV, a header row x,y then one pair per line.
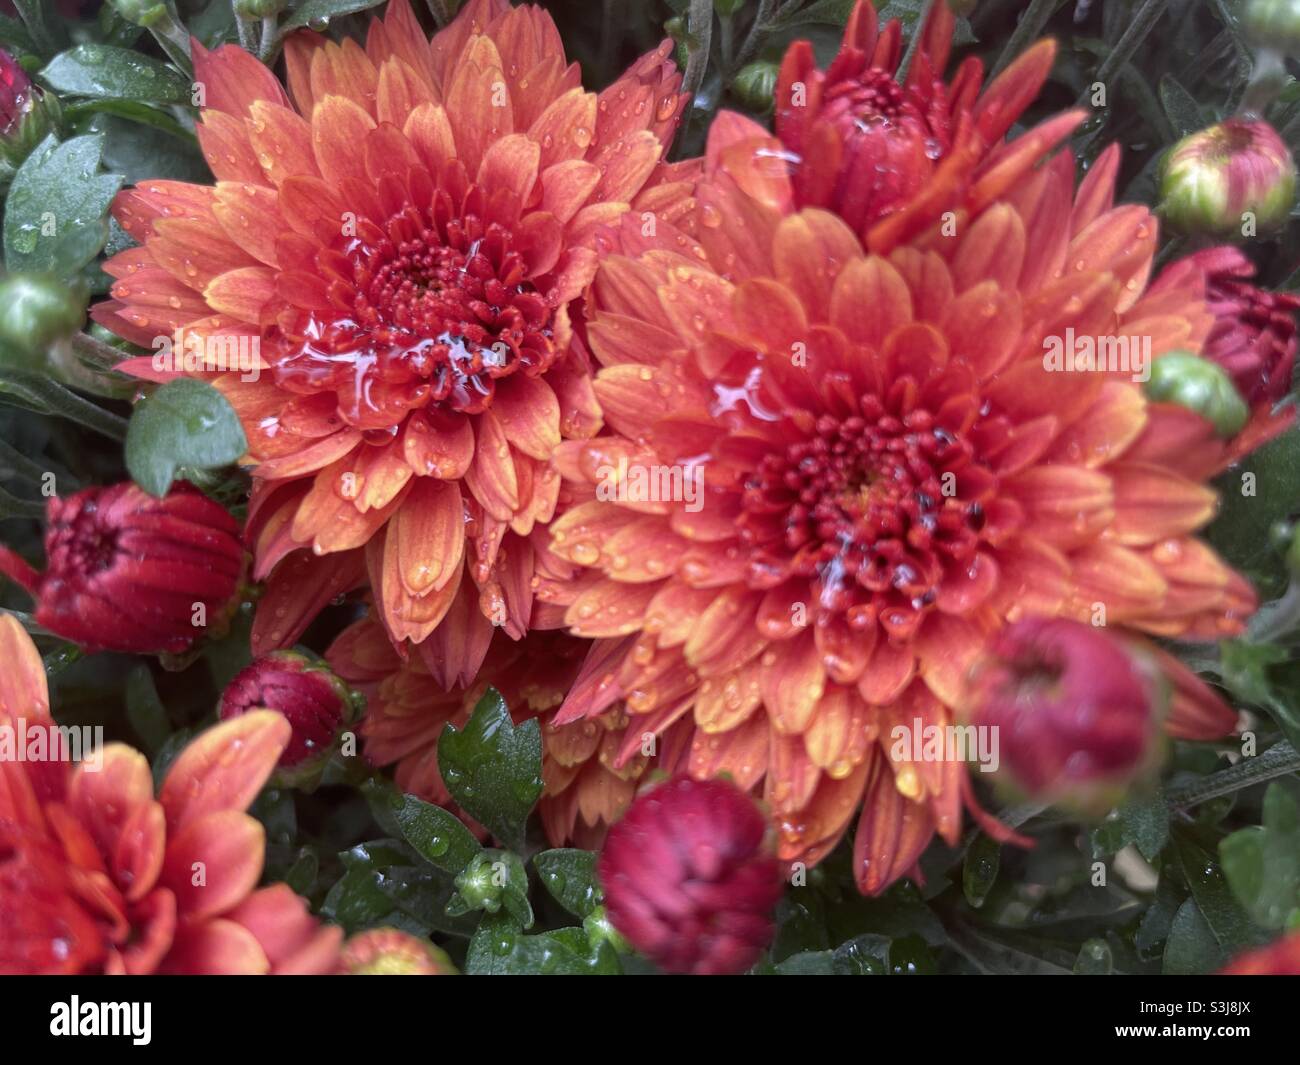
x,y
729,467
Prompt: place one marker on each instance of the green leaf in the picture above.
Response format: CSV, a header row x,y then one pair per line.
x,y
145,710
493,769
438,836
1192,947
55,214
1262,863
1146,822
1182,110
570,877
380,885
500,948
315,12
1227,919
186,422
102,72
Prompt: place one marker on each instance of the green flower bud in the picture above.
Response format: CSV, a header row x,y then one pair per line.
x,y
755,85
1201,386
36,311
1273,24
144,13
675,27
1230,180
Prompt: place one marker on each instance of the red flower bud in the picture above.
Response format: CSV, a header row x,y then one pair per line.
x,y
388,952
1281,958
1254,333
128,572
316,703
15,92
1076,710
687,879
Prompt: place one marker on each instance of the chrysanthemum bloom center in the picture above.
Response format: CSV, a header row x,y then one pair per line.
x,y
81,543
433,310
870,101
865,505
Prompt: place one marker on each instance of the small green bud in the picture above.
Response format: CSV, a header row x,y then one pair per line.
x,y
755,85
258,9
36,311
1198,385
144,13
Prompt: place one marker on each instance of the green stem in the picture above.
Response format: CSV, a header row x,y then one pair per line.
x,y
1143,22
1029,28
915,42
749,47
19,465
173,40
441,12
699,25
49,397
246,29
96,353
1278,761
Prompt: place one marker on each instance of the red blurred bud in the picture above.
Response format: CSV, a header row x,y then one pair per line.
x,y
1077,711
1254,333
688,880
128,572
1281,958
15,93
316,703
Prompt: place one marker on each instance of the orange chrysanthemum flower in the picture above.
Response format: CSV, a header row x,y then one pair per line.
x,y
398,237
841,465
98,876
590,768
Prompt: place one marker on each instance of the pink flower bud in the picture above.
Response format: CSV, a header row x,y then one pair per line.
x,y
316,703
688,880
388,952
1211,180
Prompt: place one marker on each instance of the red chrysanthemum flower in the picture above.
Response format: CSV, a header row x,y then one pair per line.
x,y
98,876
864,144
841,465
688,880
127,572
397,239
1254,331
590,768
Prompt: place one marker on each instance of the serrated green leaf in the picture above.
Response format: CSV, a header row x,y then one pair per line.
x,y
493,769
500,948
102,72
1227,919
55,214
185,423
438,836
570,876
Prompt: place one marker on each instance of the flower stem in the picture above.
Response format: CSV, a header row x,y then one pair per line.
x,y
699,25
1278,761
1028,29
